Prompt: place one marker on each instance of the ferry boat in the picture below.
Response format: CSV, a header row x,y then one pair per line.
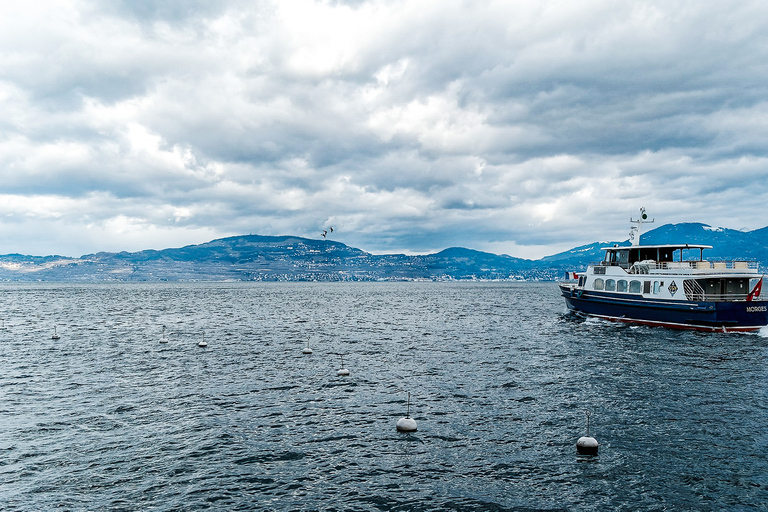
x,y
669,286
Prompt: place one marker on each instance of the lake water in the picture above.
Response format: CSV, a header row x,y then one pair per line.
x,y
108,418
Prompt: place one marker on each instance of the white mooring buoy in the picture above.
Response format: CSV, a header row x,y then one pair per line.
x,y
407,424
306,349
163,339
342,371
587,445
202,343
55,335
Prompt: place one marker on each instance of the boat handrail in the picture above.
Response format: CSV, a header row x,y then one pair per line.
x,y
724,297
708,265
687,266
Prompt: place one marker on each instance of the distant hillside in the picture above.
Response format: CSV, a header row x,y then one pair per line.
x,y
291,258
239,249
268,258
461,263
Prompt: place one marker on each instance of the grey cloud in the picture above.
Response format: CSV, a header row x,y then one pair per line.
x,y
435,124
168,10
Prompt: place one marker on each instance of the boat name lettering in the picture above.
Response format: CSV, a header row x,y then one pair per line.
x,y
599,270
757,309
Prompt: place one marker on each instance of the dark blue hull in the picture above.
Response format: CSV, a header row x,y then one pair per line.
x,y
705,316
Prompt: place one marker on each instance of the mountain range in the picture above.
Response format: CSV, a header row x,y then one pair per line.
x,y
291,258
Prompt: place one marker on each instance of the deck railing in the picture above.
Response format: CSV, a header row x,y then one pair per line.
x,y
725,297
643,267
694,292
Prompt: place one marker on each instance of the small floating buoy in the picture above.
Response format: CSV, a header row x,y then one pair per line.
x,y
163,339
55,335
306,349
587,445
202,342
342,371
407,424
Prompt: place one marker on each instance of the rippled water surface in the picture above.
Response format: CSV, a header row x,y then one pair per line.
x,y
108,418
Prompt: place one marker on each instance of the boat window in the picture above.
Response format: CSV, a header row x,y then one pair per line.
x,y
617,257
598,284
610,285
648,254
657,287
646,287
635,287
621,286
666,254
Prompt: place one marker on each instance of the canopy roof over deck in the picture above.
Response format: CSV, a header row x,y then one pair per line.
x,y
673,247
627,255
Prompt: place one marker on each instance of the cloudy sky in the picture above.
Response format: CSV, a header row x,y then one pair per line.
x,y
520,127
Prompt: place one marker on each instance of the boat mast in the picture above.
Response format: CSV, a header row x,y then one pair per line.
x,y
636,231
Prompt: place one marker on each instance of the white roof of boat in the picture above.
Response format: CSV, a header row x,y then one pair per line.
x,y
668,246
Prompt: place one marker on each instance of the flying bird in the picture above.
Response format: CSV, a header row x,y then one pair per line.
x,y
324,233
331,228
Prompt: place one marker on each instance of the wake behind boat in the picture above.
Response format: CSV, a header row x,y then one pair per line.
x,y
670,286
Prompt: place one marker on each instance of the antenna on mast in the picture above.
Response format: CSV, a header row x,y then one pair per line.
x,y
636,231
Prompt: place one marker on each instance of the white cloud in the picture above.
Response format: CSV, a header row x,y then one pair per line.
x,y
412,126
